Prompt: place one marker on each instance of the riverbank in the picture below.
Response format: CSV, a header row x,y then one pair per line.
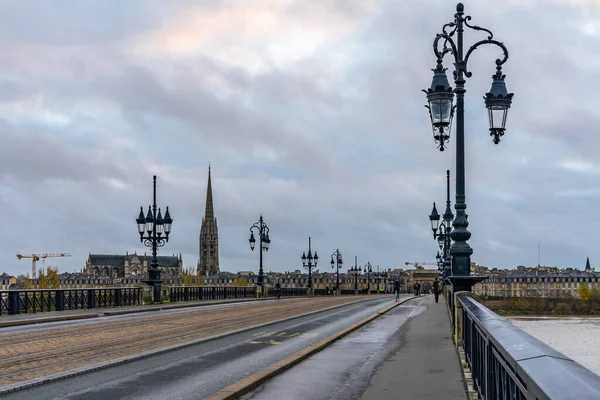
x,y
537,306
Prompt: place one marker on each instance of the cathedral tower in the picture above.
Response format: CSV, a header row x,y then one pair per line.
x,y
209,237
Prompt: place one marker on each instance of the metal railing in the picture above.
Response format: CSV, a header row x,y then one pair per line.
x,y
507,363
13,302
197,293
287,292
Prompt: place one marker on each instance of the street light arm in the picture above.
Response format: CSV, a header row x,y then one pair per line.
x,y
447,40
477,28
160,242
499,61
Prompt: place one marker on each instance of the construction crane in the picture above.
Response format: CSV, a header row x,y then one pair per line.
x,y
36,257
417,264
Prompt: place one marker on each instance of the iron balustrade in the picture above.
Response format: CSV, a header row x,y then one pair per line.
x,y
13,302
288,292
507,363
199,293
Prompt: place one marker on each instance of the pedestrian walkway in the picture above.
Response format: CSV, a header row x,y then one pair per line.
x,y
426,365
406,353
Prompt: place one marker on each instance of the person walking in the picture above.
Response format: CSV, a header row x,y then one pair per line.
x,y
397,289
278,290
416,288
436,289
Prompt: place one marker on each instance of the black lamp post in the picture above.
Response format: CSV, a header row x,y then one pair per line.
x,y
385,275
369,271
440,97
154,225
264,243
442,232
355,271
338,265
309,261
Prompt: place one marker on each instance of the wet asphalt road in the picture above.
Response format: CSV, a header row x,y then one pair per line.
x,y
197,371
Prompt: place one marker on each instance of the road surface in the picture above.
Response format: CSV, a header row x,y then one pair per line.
x,y
197,371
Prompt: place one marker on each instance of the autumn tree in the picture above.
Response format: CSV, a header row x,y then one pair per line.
x,y
189,277
240,281
49,279
586,294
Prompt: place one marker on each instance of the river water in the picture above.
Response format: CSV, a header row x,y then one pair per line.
x,y
577,338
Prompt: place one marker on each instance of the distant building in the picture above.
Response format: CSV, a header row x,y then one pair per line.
x,y
6,280
208,262
131,266
538,282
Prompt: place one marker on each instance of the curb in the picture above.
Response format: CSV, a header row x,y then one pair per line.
x,y
114,311
123,360
243,386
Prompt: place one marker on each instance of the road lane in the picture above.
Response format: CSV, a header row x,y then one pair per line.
x,y
200,370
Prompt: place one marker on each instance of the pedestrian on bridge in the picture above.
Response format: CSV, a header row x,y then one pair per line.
x,y
436,289
278,290
417,289
396,289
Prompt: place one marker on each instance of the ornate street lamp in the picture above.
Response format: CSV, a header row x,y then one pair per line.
x,y
440,103
151,228
338,265
262,230
355,271
369,271
442,231
309,261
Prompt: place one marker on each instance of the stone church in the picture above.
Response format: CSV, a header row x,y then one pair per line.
x,y
208,262
118,266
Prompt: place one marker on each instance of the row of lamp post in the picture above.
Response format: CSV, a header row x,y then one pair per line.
x,y
440,97
456,251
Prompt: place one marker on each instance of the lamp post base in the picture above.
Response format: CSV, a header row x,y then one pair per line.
x,y
156,290
465,283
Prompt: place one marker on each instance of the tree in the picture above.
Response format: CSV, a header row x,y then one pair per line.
x,y
189,277
240,281
584,292
49,279
27,282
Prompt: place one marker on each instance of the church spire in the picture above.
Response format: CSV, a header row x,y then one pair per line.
x,y
587,264
209,213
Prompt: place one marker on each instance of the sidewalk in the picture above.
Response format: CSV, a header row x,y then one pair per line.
x,y
426,366
56,316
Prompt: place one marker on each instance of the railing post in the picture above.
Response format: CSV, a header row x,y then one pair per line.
x,y
186,294
118,297
59,300
13,302
458,317
91,299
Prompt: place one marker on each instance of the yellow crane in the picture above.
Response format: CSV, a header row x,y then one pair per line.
x,y
417,264
36,257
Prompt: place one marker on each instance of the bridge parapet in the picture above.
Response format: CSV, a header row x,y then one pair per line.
x,y
507,362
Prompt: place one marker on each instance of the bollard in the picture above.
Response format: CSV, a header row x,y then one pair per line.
x,y
118,297
59,300
91,299
13,302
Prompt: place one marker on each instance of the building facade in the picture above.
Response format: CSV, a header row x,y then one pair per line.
x,y
548,282
208,261
131,266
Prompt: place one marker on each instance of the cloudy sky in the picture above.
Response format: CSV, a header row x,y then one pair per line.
x,y
310,112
